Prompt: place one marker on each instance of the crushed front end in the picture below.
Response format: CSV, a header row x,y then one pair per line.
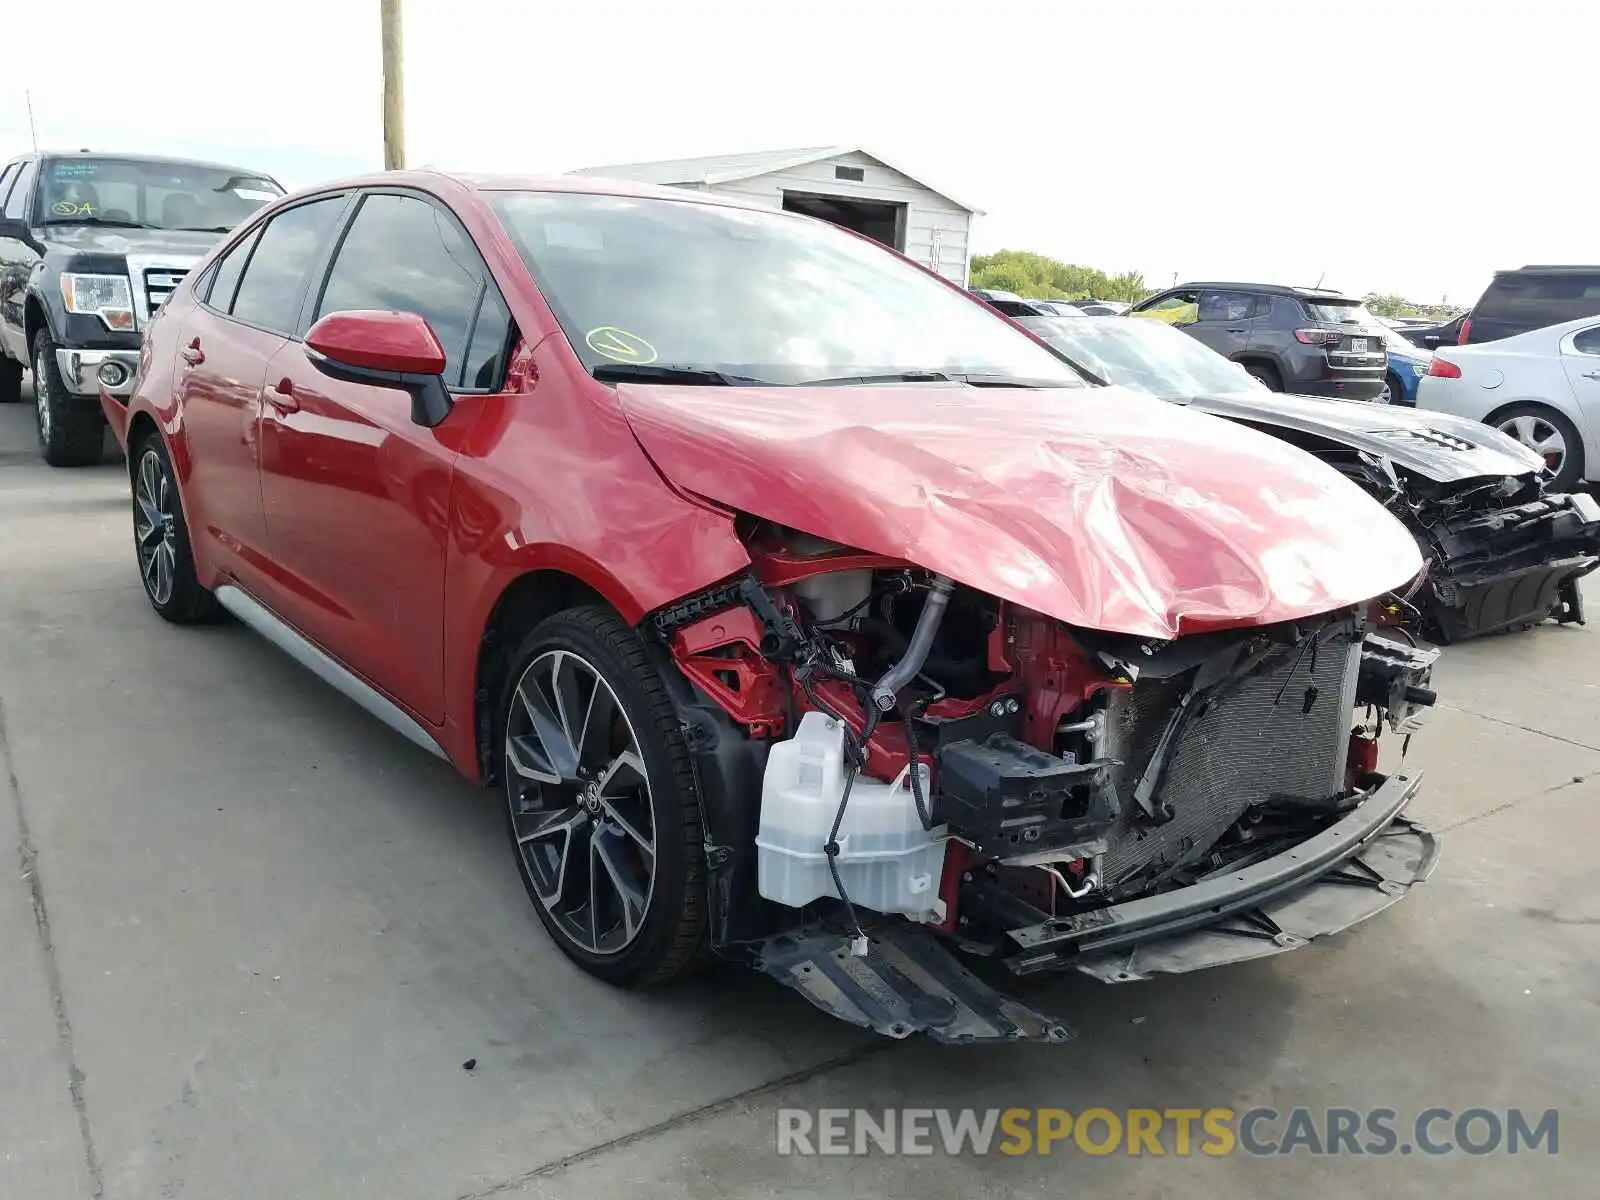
x,y
1502,554
955,790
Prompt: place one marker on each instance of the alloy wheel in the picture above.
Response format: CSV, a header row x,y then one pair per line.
x,y
155,527
41,396
581,803
1540,436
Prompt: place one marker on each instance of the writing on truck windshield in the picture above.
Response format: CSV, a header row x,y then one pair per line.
x,y
149,194
760,295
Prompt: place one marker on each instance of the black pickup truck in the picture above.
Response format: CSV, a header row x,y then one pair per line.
x,y
90,245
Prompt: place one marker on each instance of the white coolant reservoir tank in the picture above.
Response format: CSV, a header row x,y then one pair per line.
x,y
887,861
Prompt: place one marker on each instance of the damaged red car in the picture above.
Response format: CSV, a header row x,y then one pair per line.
x,y
805,612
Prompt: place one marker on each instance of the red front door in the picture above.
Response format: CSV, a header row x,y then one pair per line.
x,y
357,504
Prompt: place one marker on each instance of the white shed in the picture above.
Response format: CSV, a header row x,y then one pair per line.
x,y
843,184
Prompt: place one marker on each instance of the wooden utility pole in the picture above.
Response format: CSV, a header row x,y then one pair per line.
x,y
394,126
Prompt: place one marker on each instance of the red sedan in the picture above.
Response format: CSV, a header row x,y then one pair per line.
x,y
806,611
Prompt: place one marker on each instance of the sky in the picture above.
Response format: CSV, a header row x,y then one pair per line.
x,y
1408,146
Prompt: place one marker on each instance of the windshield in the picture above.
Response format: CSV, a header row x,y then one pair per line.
x,y
1331,313
765,296
149,194
1148,355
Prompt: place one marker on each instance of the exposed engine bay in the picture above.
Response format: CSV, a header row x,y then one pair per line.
x,y
1502,553
931,760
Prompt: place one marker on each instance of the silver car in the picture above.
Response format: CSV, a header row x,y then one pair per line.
x,y
1542,388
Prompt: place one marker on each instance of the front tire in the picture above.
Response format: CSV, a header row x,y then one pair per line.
x,y
161,538
71,429
600,800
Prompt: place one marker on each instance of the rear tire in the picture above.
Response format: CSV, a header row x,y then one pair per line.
x,y
161,538
1266,373
71,429
1532,425
10,380
612,855
1393,392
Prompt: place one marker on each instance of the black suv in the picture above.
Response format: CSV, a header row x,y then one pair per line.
x,y
90,246
1531,298
1313,341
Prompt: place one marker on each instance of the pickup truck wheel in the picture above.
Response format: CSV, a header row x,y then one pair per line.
x,y
10,380
71,429
161,539
600,800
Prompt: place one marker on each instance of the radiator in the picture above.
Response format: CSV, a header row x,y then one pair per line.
x,y
1253,741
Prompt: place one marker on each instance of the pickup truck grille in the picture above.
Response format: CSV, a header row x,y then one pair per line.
x,y
159,283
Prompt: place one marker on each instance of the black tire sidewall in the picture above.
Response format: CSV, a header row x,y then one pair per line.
x,y
77,432
676,914
189,601
1571,470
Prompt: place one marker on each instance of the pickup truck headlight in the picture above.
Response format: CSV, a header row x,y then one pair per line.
x,y
109,297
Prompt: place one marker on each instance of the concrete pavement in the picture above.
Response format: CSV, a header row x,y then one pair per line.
x,y
248,937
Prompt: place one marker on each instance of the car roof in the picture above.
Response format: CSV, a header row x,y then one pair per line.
x,y
587,185
1548,269
1273,289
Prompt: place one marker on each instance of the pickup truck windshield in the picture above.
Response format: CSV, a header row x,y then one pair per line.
x,y
764,296
149,194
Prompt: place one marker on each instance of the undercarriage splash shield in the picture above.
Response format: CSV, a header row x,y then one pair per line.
x,y
906,983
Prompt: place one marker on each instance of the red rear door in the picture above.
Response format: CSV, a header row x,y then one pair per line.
x,y
248,308
357,496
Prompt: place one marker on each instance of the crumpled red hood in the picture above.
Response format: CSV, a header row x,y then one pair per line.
x,y
1102,507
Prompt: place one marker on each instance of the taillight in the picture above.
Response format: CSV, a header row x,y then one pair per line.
x,y
1443,368
1466,330
1318,337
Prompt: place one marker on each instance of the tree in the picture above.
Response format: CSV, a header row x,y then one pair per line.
x,y
1040,277
1387,305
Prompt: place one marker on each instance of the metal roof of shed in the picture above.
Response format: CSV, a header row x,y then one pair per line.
x,y
716,169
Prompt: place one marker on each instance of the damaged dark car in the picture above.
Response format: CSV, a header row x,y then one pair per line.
x,y
1503,552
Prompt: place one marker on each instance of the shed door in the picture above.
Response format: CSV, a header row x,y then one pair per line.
x,y
880,221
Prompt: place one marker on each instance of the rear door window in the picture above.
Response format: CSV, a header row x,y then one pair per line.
x,y
6,178
225,279
274,285
1227,306
1587,341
